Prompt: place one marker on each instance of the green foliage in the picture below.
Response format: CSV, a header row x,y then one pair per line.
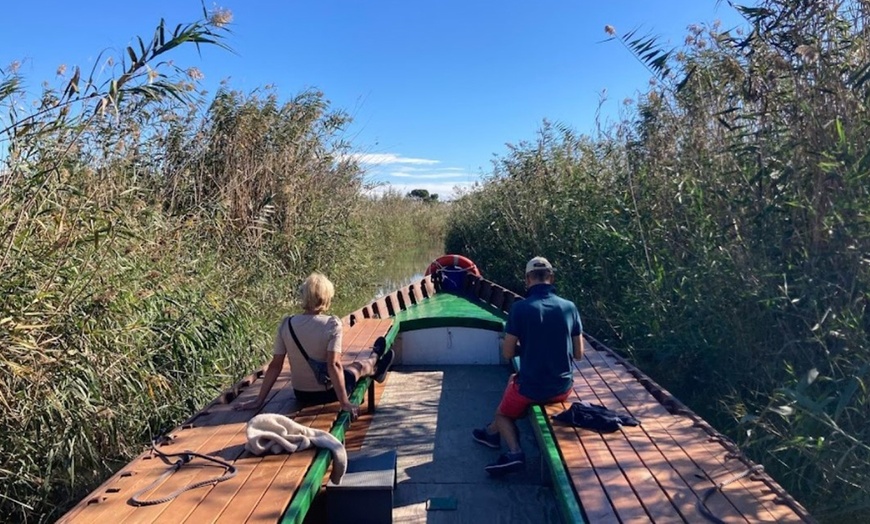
x,y
422,195
392,220
719,235
151,240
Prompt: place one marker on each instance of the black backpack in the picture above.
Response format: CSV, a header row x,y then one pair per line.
x,y
594,417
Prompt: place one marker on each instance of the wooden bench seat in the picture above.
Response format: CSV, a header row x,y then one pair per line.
x,y
263,486
660,470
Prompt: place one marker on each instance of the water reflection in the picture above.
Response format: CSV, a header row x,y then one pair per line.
x,y
389,285
405,268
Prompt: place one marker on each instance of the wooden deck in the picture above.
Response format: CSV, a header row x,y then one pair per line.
x,y
660,470
263,486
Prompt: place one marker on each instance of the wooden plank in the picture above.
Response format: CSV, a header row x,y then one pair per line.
x,y
652,496
710,457
595,502
231,449
428,286
572,451
251,470
415,293
261,475
126,477
278,493
251,492
623,456
686,457
356,434
628,507
682,489
358,342
221,428
651,458
178,509
353,341
590,492
144,470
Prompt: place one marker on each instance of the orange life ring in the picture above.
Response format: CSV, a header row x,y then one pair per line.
x,y
451,261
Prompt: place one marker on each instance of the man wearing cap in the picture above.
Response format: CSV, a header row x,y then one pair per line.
x,y
548,330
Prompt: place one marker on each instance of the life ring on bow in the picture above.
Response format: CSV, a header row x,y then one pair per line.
x,y
458,262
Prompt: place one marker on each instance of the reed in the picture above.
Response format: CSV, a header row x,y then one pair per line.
x,y
151,237
717,234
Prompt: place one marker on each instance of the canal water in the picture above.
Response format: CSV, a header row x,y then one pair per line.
x,y
404,268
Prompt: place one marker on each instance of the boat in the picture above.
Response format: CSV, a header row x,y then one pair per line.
x,y
446,379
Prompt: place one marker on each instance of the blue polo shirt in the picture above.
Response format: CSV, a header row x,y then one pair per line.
x,y
544,323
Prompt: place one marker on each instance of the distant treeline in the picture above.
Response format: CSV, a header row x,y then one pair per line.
x,y
719,235
150,237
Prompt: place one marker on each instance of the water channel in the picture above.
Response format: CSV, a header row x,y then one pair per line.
x,y
406,267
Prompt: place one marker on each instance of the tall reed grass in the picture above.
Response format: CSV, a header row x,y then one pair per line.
x,y
718,235
151,237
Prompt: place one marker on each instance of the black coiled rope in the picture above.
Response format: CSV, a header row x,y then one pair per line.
x,y
183,458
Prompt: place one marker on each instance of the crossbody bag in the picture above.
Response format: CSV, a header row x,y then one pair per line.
x,y
319,368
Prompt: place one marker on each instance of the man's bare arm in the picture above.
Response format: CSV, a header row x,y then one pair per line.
x,y
509,346
578,346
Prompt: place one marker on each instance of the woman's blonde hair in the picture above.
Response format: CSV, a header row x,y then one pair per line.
x,y
316,293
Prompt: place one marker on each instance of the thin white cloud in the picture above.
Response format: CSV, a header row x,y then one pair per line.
x,y
381,159
413,169
430,175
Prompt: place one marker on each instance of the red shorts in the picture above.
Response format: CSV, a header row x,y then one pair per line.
x,y
514,406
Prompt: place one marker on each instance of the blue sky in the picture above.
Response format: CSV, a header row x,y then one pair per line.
x,y
436,89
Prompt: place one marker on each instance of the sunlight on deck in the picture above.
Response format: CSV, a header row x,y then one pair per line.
x,y
427,415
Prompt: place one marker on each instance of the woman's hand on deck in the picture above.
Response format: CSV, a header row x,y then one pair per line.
x,y
251,404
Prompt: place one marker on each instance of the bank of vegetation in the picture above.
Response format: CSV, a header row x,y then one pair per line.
x,y
718,234
150,236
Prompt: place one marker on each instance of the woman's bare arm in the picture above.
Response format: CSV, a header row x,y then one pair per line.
x,y
336,373
269,379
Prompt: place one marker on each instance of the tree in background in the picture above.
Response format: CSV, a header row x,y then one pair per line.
x,y
423,195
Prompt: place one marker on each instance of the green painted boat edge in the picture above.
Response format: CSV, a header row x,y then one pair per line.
x,y
571,512
392,334
450,310
301,501
310,486
552,456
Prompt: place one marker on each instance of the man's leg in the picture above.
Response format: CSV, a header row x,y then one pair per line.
x,y
507,429
512,406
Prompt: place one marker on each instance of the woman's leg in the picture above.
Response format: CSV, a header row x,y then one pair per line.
x,y
377,364
363,368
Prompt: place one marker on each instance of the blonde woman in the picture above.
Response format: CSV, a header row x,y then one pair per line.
x,y
319,335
